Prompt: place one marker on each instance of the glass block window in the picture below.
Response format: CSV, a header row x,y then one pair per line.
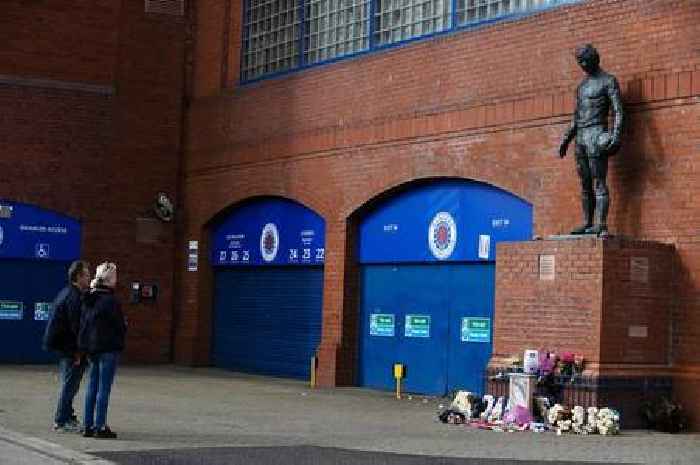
x,y
472,11
397,20
282,35
333,28
271,37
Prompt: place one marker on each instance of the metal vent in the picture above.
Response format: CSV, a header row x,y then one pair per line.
x,y
165,7
547,267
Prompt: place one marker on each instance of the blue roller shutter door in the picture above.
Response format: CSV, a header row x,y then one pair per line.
x,y
267,319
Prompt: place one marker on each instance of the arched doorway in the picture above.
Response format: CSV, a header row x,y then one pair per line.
x,y
427,273
268,256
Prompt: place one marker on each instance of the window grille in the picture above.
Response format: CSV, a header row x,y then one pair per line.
x,y
472,11
271,37
397,20
333,28
282,35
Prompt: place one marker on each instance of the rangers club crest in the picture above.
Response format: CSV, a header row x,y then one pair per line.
x,y
269,242
442,235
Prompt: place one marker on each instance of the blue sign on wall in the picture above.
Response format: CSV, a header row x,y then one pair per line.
x,y
29,232
270,231
449,220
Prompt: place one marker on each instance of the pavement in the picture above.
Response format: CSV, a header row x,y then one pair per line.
x,y
176,415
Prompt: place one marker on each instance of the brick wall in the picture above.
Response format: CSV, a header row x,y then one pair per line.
x,y
564,313
55,39
91,97
638,300
488,104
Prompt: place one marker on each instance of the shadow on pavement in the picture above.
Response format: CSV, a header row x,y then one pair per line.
x,y
296,455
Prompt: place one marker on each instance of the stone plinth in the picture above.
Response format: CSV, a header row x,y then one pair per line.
x,y
609,300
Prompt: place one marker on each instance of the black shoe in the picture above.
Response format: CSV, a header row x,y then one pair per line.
x,y
88,432
598,230
105,433
582,229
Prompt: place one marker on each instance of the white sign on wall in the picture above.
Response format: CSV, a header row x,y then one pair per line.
x,y
484,246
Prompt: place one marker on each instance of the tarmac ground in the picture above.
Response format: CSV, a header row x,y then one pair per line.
x,y
179,415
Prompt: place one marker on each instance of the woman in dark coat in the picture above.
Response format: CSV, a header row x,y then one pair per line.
x,y
101,337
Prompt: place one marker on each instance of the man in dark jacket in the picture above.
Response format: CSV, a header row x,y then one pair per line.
x,y
61,336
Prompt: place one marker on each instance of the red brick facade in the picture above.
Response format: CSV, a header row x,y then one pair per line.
x,y
488,104
91,102
96,92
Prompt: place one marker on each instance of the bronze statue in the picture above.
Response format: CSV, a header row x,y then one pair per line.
x,y
594,142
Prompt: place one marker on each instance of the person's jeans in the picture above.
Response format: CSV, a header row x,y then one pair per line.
x,y
70,375
102,369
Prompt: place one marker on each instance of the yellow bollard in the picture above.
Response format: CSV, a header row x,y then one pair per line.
x,y
314,364
398,374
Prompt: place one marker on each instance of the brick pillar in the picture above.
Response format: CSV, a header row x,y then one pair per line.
x,y
337,351
194,306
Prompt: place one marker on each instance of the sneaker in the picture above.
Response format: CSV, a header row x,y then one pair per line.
x,y
65,428
88,432
105,433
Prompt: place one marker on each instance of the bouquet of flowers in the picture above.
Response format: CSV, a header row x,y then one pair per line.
x,y
578,419
571,364
592,421
608,421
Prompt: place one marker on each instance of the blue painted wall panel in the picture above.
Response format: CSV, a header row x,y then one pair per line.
x,y
30,232
269,231
398,230
267,320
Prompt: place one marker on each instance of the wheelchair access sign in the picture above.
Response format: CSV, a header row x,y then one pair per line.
x,y
41,250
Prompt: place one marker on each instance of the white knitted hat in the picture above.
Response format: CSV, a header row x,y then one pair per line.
x,y
105,274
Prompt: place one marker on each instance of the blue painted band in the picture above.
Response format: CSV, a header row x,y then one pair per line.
x,y
270,231
450,220
30,232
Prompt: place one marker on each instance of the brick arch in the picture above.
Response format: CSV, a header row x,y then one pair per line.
x,y
397,185
304,197
342,367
